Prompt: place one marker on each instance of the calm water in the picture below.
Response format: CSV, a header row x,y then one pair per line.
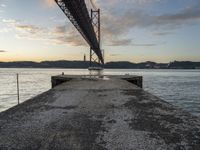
x,y
180,87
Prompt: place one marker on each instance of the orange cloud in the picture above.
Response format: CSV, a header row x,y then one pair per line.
x,y
50,3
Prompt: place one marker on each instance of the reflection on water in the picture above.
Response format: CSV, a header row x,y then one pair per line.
x,y
180,87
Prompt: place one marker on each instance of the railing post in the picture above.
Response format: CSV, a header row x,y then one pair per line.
x,y
18,88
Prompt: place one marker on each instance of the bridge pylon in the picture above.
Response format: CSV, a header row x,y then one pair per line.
x,y
96,23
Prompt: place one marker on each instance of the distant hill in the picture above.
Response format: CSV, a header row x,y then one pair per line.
x,y
184,65
45,64
110,65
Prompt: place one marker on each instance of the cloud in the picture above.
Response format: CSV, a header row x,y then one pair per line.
x,y
49,3
131,18
114,55
31,29
3,5
121,42
119,18
62,34
9,21
146,45
4,30
180,18
2,51
117,24
162,33
66,35
60,30
128,2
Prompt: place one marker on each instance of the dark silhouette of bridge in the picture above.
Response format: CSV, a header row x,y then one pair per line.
x,y
87,24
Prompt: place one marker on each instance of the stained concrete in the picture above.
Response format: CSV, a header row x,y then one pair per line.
x,y
97,114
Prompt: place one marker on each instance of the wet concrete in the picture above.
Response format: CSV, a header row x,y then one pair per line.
x,y
96,114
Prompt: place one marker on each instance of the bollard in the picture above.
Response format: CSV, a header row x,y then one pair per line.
x,y
18,88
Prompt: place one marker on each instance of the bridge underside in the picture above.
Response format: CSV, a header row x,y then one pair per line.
x,y
78,14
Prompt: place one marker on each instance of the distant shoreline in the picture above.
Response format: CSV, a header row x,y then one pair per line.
x,y
63,64
103,68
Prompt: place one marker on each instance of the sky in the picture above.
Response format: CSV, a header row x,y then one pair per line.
x,y
132,30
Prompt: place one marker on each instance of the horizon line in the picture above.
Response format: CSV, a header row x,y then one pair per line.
x,y
105,62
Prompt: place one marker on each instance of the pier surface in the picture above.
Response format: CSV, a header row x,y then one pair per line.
x,y
57,80
96,114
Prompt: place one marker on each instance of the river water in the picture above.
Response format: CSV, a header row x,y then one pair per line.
x,y
179,87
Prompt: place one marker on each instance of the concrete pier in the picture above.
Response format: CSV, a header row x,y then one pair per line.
x,y
97,114
57,80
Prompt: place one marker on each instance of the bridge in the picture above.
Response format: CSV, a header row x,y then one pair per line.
x,y
88,25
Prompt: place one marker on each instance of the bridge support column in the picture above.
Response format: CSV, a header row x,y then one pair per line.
x,y
95,20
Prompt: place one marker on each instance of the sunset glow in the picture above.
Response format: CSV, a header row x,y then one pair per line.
x,y
136,30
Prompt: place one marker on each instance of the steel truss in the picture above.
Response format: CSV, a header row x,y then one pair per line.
x,y
96,23
78,14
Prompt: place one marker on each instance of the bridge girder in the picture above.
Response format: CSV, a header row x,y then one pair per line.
x,y
78,14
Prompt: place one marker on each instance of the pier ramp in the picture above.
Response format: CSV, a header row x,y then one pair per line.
x,y
98,114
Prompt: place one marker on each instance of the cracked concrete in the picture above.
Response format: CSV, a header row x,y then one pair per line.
x,y
85,114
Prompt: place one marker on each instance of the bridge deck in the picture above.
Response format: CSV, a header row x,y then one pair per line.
x,y
77,13
98,114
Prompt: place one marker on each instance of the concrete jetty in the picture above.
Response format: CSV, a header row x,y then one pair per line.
x,y
98,114
59,79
